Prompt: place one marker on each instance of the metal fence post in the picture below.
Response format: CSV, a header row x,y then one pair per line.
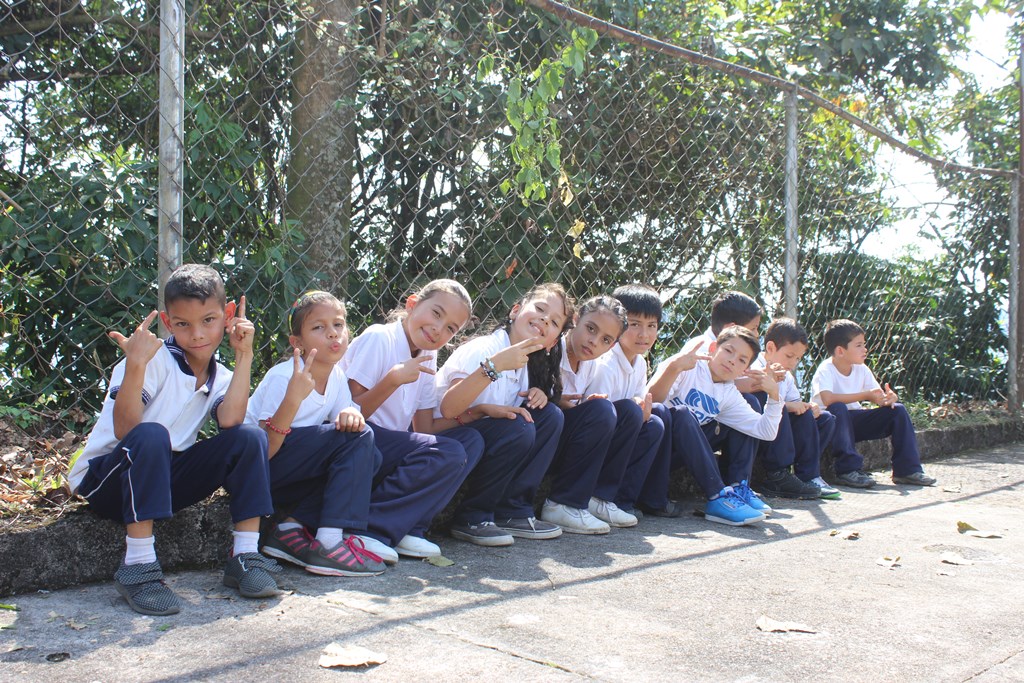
x,y
790,279
172,140
1013,301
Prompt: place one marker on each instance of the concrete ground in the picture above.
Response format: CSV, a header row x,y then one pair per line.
x,y
671,599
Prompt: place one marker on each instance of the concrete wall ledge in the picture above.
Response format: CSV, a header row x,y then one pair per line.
x,y
81,548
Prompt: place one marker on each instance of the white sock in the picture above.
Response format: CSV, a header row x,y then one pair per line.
x,y
139,550
288,526
246,542
330,536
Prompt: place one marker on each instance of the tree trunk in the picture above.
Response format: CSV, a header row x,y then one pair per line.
x,y
323,136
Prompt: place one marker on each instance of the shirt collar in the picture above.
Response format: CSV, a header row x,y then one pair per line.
x,y
178,354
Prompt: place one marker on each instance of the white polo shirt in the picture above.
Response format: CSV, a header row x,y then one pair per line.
x,y
371,355
315,409
169,397
466,360
576,382
617,377
709,400
706,340
828,378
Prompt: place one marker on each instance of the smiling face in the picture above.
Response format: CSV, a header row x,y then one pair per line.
x,y
731,360
432,322
593,335
324,329
542,316
197,326
640,335
787,355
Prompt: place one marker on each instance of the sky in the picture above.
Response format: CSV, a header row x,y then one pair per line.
x,y
912,183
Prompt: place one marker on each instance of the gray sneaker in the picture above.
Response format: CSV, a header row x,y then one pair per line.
x,y
914,479
856,479
250,574
485,534
142,585
530,527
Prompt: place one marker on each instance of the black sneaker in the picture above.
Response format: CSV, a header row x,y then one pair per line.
x,y
530,527
250,574
671,509
142,585
785,484
485,534
914,479
856,479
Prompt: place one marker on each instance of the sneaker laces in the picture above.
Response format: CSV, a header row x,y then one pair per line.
x,y
743,492
356,547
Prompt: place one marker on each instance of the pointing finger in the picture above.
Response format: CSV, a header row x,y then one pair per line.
x,y
240,312
148,321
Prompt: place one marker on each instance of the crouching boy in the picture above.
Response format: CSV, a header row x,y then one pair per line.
x,y
142,461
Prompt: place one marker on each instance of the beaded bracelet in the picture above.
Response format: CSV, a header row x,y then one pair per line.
x,y
458,418
488,367
270,425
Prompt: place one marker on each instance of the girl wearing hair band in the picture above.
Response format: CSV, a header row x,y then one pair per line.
x,y
390,371
321,453
597,439
500,385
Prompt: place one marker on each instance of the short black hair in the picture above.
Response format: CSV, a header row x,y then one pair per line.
x,y
840,333
784,331
194,281
732,308
742,333
639,300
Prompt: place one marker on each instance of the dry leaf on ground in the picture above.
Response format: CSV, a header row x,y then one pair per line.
x,y
846,535
439,561
965,528
954,558
335,655
770,625
888,562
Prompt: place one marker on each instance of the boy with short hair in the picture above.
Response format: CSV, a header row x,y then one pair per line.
x,y
707,411
142,461
805,430
729,308
840,384
621,374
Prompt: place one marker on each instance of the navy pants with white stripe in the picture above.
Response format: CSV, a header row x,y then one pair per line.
x,y
142,479
689,445
418,475
875,423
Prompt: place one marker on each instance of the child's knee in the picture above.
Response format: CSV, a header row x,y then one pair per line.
x,y
249,438
150,434
629,414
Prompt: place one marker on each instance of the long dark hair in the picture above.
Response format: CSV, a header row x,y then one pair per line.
x,y
545,367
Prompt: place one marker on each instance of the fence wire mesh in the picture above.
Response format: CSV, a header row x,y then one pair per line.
x,y
366,148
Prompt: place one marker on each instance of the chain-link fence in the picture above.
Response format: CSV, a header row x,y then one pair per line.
x,y
369,147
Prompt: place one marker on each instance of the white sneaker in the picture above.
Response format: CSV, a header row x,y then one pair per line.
x,y
611,513
414,546
827,491
385,552
573,520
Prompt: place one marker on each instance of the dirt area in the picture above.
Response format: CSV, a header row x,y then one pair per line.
x,y
33,470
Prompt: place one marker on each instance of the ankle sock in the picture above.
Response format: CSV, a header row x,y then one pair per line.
x,y
330,536
139,550
246,542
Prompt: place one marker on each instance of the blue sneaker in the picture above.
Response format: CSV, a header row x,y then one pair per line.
x,y
748,496
730,509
